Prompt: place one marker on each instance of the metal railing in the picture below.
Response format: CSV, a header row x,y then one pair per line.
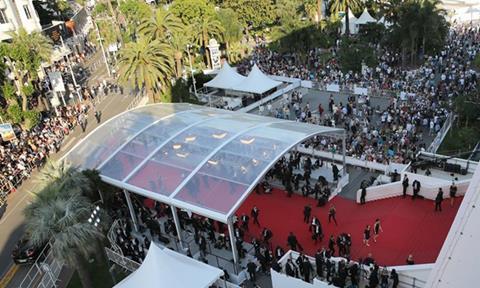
x,y
441,134
136,100
405,281
8,186
122,261
349,89
44,272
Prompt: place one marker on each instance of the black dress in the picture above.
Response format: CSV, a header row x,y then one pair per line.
x,y
366,234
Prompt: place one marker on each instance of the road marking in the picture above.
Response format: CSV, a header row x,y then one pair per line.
x,y
8,276
27,193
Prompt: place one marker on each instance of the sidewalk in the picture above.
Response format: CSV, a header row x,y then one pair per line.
x,y
12,219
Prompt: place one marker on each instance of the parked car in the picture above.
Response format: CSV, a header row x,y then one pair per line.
x,y
25,252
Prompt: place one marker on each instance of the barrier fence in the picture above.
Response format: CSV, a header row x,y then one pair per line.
x,y
354,89
405,280
437,141
44,272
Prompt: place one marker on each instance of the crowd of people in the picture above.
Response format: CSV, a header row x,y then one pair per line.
x,y
419,103
30,149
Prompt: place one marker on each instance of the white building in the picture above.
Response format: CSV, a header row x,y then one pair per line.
x,y
15,14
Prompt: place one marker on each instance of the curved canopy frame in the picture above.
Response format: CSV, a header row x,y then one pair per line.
x,y
205,160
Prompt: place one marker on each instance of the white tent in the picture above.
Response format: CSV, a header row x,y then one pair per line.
x,y
352,23
167,268
365,18
256,82
226,78
384,22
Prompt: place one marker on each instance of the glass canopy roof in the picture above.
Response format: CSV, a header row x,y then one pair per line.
x,y
202,159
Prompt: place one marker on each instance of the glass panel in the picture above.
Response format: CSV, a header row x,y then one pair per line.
x,y
190,148
211,193
120,165
225,178
150,139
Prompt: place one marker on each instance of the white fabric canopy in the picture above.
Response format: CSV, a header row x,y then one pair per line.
x,y
384,22
167,268
365,18
256,82
226,78
352,23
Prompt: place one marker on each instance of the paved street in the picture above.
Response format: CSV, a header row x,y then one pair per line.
x,y
11,216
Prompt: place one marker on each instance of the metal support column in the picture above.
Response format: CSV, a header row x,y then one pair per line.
x,y
344,139
177,226
130,208
233,244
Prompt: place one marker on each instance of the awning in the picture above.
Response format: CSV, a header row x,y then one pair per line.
x,y
365,18
167,268
226,78
256,82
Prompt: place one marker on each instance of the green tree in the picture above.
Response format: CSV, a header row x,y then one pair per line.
x,y
64,221
146,65
353,53
178,42
133,12
208,27
59,213
161,26
189,11
232,28
420,27
25,53
256,14
337,6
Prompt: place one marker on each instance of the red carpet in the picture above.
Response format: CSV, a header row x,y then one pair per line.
x,y
410,227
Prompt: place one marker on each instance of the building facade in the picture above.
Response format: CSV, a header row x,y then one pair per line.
x,y
15,14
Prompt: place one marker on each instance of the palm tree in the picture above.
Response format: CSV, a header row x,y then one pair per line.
x,y
236,51
64,221
178,42
26,53
162,25
232,28
59,213
209,27
345,5
146,65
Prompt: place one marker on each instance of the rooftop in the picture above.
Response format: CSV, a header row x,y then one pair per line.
x,y
197,158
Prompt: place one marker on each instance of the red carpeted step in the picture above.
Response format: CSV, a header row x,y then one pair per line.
x,y
410,227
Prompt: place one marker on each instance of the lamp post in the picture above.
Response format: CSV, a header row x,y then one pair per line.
x,y
71,72
191,71
103,49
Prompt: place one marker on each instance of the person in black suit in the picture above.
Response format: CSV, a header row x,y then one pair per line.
x,y
245,219
307,268
394,277
405,185
307,211
453,193
202,244
331,245
267,235
319,261
292,241
363,195
438,200
416,188
254,213
290,268
252,270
